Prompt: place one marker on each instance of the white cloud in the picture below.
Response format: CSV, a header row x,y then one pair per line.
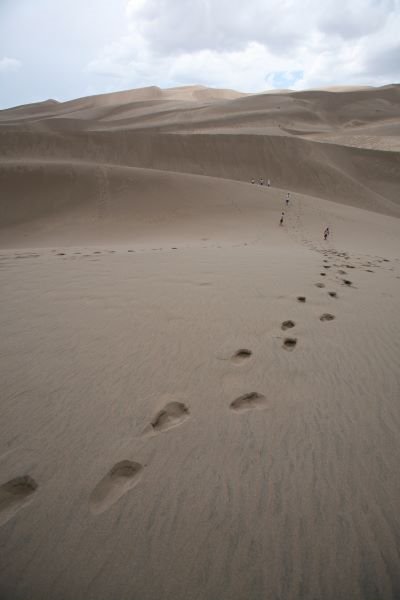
x,y
250,46
9,65
255,45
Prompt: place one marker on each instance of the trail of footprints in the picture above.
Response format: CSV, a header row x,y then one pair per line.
x,y
17,493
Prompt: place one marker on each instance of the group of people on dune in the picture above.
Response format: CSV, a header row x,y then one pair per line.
x,y
287,201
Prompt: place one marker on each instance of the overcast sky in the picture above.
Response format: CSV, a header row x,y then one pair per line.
x,y
66,49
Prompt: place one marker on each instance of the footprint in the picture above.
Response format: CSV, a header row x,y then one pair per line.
x,y
241,355
301,298
173,414
327,317
323,274
287,324
131,251
250,401
369,270
327,266
60,253
119,480
14,495
320,285
333,294
347,282
289,343
341,272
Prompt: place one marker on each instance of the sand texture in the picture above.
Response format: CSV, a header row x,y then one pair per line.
x,y
198,403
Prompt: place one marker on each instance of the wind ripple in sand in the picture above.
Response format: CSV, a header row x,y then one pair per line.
x,y
119,480
14,495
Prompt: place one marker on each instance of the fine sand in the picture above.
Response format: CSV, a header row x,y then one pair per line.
x,y
198,403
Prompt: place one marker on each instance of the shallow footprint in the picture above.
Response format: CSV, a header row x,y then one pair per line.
x,y
14,495
173,414
241,355
320,285
250,401
333,294
289,343
327,317
119,480
287,324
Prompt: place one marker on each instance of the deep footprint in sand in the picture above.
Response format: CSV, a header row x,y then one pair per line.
x,y
289,343
327,317
120,479
14,495
250,401
287,324
333,294
301,299
347,282
241,356
172,415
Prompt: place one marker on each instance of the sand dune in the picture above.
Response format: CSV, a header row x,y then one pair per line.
x,y
197,402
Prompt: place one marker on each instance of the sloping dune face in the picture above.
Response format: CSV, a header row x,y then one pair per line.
x,y
333,145
199,350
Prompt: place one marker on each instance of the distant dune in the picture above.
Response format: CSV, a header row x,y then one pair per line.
x,y
341,147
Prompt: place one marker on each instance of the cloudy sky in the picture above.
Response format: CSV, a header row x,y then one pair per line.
x,y
65,49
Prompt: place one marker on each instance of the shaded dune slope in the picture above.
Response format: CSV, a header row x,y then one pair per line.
x,y
74,202
364,178
91,152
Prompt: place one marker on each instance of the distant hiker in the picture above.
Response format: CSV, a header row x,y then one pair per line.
x,y
326,233
287,198
261,181
281,221
269,183
253,181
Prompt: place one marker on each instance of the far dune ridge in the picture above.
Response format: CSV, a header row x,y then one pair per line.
x,y
200,394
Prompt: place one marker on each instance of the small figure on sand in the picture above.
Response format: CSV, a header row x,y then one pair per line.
x,y
261,181
287,198
269,183
281,221
326,233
